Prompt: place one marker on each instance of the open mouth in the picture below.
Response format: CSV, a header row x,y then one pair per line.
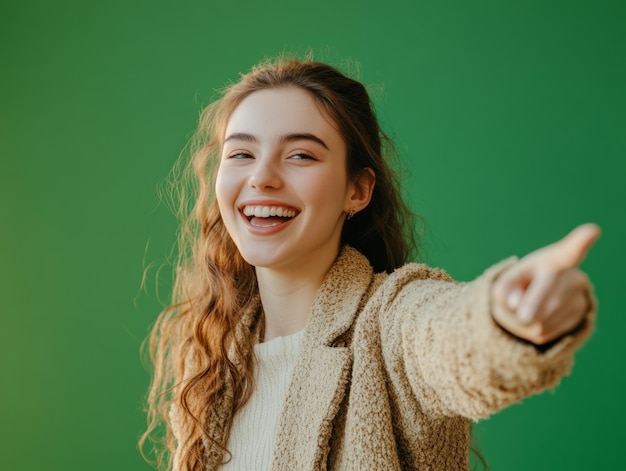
x,y
268,216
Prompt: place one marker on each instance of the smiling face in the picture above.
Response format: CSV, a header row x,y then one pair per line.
x,y
282,185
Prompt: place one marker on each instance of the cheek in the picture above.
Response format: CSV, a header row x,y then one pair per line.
x,y
224,184
225,194
328,192
337,184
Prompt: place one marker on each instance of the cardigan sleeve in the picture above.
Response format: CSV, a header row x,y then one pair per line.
x,y
457,360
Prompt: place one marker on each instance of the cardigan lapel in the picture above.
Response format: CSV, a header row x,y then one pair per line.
x,y
323,369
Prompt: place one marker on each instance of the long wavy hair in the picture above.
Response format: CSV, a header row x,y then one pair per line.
x,y
193,342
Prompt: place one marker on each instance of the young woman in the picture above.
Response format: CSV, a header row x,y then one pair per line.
x,y
299,338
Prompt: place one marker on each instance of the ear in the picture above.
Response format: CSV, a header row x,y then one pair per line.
x,y
361,190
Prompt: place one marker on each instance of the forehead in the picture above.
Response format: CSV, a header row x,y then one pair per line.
x,y
278,111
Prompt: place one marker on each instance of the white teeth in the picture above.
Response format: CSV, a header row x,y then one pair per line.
x,y
267,211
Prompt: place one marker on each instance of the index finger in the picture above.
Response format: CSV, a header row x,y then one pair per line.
x,y
570,251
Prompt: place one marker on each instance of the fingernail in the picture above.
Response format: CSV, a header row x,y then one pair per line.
x,y
513,299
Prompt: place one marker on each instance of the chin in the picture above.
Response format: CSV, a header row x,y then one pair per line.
x,y
258,258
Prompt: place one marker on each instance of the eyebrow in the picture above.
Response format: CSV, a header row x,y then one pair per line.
x,y
291,137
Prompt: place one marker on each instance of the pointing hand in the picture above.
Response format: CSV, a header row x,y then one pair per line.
x,y
545,295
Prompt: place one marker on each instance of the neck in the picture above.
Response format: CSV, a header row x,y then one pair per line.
x,y
287,297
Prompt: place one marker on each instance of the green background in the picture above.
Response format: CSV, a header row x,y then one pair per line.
x,y
511,125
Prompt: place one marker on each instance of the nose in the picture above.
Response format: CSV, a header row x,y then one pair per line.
x,y
265,175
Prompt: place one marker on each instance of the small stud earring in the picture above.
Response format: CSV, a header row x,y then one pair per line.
x,y
351,213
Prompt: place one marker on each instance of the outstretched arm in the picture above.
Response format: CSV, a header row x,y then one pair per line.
x,y
458,352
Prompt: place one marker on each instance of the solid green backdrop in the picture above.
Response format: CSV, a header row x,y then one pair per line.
x,y
510,123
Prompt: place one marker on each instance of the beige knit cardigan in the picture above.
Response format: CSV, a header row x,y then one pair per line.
x,y
394,367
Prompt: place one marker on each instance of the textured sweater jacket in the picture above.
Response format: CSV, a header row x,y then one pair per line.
x,y
394,367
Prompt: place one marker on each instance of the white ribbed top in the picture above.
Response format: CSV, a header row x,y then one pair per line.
x,y
251,440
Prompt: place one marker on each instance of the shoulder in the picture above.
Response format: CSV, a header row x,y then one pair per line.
x,y
351,289
353,274
417,271
353,263
412,280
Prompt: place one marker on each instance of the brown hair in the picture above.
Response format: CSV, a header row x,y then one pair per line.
x,y
190,341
